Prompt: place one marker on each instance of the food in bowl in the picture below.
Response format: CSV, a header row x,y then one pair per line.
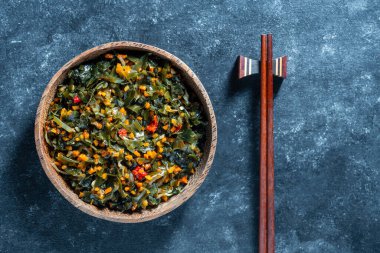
x,y
124,131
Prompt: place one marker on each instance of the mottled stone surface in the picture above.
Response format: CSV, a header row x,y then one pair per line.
x,y
327,123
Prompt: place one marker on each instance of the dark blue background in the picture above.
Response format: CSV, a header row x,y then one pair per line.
x,y
327,123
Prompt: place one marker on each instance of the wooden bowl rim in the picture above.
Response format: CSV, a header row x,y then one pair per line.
x,y
196,180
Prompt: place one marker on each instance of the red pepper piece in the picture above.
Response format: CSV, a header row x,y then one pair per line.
x,y
76,99
139,173
152,127
122,132
177,128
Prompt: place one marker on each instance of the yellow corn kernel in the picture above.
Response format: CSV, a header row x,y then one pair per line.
x,y
139,118
139,184
69,148
146,94
64,167
107,102
98,125
155,135
146,144
96,142
147,105
86,135
75,107
159,144
102,111
123,71
150,154
97,189
108,56
131,135
137,153
165,127
123,56
122,111
171,170
104,176
126,88
129,157
160,149
170,75
121,151
91,171
133,192
173,121
142,87
127,188
81,194
98,168
63,112
101,93
83,158
144,203
164,139
164,198
147,177
108,190
126,122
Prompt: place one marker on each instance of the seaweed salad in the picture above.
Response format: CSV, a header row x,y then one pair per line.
x,y
124,132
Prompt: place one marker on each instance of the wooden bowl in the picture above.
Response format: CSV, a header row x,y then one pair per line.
x,y
191,81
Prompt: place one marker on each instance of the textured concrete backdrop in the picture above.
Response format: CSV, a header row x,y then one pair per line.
x,y
327,123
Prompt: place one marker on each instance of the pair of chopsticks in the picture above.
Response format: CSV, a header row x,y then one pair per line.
x,y
266,223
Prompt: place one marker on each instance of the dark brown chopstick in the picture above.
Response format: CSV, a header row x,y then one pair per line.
x,y
263,148
270,146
